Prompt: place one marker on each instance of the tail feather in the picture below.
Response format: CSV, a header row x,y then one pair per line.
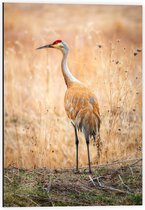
x,y
88,123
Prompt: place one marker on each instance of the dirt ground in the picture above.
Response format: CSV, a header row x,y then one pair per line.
x,y
114,184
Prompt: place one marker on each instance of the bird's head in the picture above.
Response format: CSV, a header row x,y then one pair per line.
x,y
58,44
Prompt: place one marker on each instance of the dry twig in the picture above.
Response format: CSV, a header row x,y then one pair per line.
x,y
136,162
92,180
126,186
131,170
8,179
103,165
28,197
103,187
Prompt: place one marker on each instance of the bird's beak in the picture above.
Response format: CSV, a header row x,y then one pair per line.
x,y
45,46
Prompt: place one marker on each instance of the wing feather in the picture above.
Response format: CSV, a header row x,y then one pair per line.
x,y
82,107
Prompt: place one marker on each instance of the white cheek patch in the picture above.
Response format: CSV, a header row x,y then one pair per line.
x,y
60,45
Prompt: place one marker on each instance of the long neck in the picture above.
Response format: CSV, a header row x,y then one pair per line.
x,y
68,77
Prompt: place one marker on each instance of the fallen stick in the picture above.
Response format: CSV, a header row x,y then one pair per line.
x,y
8,178
136,162
101,165
92,180
28,197
131,170
126,186
104,187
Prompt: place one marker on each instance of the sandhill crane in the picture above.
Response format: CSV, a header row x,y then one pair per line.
x,y
80,102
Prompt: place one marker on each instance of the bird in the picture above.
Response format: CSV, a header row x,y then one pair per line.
x,y
81,104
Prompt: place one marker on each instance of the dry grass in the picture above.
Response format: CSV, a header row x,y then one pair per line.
x,y
37,130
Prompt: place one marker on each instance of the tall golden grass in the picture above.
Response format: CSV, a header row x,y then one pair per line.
x,y
37,132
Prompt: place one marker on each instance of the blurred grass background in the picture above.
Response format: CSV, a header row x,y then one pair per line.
x,y
105,43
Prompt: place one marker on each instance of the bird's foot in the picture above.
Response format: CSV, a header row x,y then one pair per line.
x,y
90,171
76,171
86,171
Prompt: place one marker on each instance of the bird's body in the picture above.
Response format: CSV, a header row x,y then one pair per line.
x,y
80,102
82,108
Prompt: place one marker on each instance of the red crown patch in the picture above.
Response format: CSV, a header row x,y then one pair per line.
x,y
57,41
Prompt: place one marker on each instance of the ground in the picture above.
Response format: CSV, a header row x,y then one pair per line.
x,y
121,185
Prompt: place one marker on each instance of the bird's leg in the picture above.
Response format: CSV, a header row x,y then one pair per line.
x,y
77,143
87,142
